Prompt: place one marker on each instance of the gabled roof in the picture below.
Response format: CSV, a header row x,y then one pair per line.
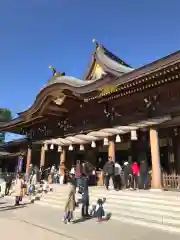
x,y
61,86
103,61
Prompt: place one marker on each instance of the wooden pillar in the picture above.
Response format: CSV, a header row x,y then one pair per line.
x,y
28,158
155,158
112,150
62,165
42,157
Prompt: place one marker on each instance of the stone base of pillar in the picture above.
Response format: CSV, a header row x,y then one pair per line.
x,y
156,190
61,180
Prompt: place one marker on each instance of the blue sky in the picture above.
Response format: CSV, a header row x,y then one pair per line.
x,y
36,33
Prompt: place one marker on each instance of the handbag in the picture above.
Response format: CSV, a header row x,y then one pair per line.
x,y
31,188
23,185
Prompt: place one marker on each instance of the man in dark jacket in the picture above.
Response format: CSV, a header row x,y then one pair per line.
x,y
85,196
144,173
8,183
108,172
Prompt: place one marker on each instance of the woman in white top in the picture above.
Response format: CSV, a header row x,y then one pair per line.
x,y
117,176
18,189
72,172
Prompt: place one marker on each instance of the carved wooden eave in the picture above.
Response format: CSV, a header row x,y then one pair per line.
x,y
41,104
15,144
58,91
18,123
159,72
104,62
63,88
15,122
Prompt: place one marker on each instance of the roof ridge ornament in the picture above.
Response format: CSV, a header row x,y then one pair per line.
x,y
96,43
53,70
55,73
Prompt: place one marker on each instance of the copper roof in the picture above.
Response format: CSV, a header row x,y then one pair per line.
x,y
80,88
109,62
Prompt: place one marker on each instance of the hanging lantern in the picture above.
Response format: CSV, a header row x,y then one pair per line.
x,y
133,135
118,139
70,147
45,147
93,144
106,142
81,147
52,146
59,148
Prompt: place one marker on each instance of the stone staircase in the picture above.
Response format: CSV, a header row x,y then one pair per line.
x,y
146,208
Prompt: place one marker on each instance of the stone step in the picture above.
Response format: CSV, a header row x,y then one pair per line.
x,y
154,209
162,223
116,210
125,204
140,193
122,196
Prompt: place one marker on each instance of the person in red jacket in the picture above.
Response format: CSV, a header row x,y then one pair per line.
x,y
135,174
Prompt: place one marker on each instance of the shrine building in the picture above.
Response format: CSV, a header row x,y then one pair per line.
x,y
114,110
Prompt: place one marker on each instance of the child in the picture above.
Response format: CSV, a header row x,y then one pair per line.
x,y
70,203
97,210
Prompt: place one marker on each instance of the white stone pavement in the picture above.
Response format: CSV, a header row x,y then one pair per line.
x,y
12,229
36,222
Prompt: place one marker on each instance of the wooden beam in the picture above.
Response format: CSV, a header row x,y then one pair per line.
x,y
56,108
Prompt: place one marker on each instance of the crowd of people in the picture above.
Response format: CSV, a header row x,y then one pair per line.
x,y
128,176
79,179
20,184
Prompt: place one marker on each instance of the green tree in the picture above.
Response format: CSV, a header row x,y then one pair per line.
x,y
5,116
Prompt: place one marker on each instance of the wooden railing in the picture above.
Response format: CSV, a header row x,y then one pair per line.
x,y
171,181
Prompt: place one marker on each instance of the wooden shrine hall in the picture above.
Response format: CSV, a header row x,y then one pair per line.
x,y
122,112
